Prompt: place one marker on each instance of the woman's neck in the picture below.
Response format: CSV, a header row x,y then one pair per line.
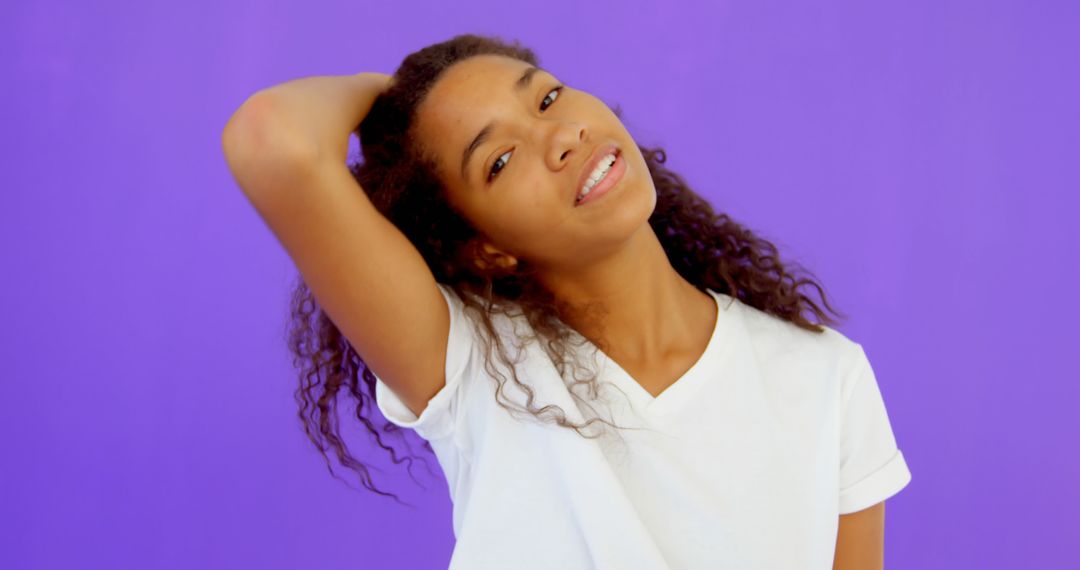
x,y
635,302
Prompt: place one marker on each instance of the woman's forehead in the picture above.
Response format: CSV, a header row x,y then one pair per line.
x,y
481,70
468,88
469,98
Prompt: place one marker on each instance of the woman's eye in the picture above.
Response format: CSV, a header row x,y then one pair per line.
x,y
493,172
556,90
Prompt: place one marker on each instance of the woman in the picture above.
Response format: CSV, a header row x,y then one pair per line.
x,y
506,269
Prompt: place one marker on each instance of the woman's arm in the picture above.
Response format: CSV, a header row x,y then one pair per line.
x,y
860,540
316,114
363,271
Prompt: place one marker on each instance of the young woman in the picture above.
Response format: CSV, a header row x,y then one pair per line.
x,y
507,270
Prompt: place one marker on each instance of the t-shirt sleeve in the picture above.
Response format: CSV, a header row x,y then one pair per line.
x,y
438,419
872,468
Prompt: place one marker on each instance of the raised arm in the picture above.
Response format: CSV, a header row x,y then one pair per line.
x,y
286,147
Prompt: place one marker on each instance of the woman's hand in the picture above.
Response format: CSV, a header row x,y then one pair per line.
x,y
379,78
317,113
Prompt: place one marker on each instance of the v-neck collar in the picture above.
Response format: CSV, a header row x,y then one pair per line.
x,y
682,390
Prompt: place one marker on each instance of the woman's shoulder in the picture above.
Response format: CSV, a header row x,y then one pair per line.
x,y
775,336
507,319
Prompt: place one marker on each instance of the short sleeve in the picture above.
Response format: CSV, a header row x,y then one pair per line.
x,y
439,417
872,468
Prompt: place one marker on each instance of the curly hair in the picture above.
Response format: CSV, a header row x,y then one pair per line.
x,y
707,249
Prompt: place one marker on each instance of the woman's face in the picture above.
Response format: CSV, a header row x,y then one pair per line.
x,y
519,185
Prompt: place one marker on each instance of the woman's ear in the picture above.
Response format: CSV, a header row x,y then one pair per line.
x,y
487,255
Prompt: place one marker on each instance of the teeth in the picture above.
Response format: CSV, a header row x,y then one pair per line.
x,y
597,175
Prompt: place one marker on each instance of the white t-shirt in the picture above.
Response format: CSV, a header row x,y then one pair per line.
x,y
746,461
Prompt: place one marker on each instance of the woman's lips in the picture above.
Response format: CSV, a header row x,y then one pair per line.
x,y
613,176
594,160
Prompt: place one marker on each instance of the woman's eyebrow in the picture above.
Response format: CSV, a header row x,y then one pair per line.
x,y
520,85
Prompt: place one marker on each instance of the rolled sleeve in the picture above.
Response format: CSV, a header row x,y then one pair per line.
x,y
872,468
438,419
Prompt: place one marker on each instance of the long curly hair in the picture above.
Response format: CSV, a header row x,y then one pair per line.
x,y
705,248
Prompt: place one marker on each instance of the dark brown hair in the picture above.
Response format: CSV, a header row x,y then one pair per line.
x,y
399,177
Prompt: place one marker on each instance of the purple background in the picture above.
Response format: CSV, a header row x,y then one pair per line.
x,y
921,158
